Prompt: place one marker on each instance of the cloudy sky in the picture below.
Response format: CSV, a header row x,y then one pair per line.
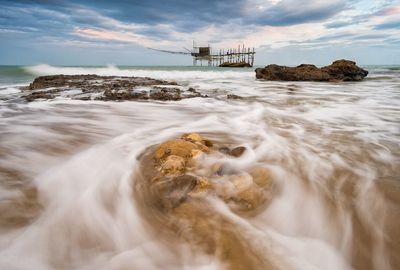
x,y
97,32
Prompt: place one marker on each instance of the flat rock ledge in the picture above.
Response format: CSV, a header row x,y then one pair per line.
x,y
340,70
106,88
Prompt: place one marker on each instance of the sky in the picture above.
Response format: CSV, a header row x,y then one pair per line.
x,y
119,32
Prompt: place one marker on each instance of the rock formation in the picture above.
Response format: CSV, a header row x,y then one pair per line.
x,y
106,88
176,186
340,70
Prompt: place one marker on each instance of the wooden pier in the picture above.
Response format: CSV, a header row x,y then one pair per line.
x,y
234,57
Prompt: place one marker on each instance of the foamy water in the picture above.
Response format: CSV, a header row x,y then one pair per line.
x,y
67,171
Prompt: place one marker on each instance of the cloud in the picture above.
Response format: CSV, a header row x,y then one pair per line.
x,y
174,24
291,12
388,25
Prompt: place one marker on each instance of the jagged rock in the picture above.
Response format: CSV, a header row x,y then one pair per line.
x,y
93,81
245,190
181,201
340,70
165,93
106,88
123,95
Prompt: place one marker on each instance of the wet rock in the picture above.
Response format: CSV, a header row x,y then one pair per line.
x,y
240,64
208,143
194,93
92,81
232,96
177,147
123,95
106,88
165,94
171,192
174,190
244,190
261,176
237,151
39,95
340,70
192,137
173,165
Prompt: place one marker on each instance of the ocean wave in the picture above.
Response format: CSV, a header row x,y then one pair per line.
x,y
173,73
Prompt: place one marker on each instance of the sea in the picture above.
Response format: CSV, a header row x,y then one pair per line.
x,y
332,149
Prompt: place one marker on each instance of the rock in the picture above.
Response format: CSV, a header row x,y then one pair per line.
x,y
261,176
193,137
165,93
340,70
208,143
240,64
39,95
237,151
179,199
232,96
172,192
177,147
123,95
106,88
173,165
194,93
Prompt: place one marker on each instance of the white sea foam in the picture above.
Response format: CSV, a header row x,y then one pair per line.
x,y
184,75
81,155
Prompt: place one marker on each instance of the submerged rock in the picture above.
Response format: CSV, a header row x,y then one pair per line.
x,y
193,155
340,70
178,184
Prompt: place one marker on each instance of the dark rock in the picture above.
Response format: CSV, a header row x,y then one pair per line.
x,y
208,143
232,96
194,93
237,151
240,64
39,95
340,70
124,95
165,93
106,88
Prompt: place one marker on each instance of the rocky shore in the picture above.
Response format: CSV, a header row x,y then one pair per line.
x,y
340,70
106,88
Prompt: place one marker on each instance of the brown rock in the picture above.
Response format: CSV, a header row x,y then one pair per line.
x,y
192,137
165,94
261,176
172,192
340,70
177,147
173,165
237,151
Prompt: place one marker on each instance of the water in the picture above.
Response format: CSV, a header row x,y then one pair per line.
x,y
68,171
